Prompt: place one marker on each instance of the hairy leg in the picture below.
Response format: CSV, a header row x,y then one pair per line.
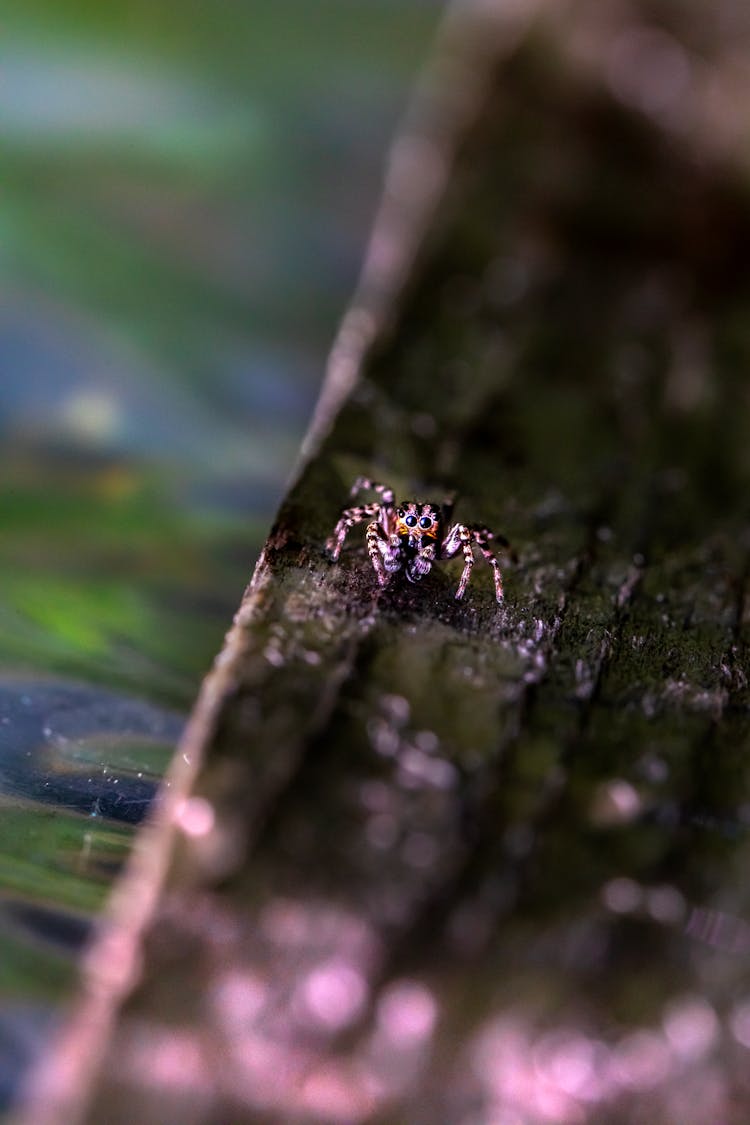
x,y
363,484
349,517
384,491
462,538
384,551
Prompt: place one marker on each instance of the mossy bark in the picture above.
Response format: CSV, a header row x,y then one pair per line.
x,y
443,861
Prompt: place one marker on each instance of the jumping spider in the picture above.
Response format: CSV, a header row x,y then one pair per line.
x,y
410,537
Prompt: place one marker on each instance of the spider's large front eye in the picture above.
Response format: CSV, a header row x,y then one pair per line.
x,y
411,521
425,522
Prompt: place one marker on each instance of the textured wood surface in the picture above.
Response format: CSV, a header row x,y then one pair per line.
x,y
455,862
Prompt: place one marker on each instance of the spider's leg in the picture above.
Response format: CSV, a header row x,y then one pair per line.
x,y
384,491
374,537
464,539
349,517
482,536
461,537
384,551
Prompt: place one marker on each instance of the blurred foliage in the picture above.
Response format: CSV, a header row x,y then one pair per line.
x,y
134,593
48,857
86,853
186,194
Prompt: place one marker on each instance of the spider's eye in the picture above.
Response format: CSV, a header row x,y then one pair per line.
x,y
400,513
411,521
425,522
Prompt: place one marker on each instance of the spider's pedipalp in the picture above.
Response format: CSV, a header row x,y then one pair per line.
x,y
421,564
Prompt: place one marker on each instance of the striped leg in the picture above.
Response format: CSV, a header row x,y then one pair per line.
x,y
482,536
376,547
465,538
462,538
365,484
349,517
362,484
384,551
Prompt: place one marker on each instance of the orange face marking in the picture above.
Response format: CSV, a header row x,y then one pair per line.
x,y
421,521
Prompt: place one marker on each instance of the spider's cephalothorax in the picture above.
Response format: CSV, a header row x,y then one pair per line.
x,y
411,537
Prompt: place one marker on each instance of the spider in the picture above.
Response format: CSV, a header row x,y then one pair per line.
x,y
409,536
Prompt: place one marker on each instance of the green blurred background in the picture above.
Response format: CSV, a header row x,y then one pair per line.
x,y
187,189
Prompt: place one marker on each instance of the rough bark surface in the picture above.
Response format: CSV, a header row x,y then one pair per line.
x,y
455,862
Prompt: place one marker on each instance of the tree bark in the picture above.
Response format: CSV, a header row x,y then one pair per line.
x,y
427,860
